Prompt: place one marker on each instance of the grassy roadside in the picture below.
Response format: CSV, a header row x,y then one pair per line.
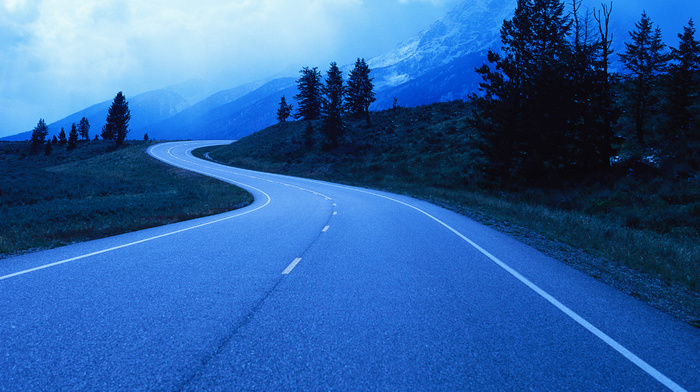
x,y
643,225
96,191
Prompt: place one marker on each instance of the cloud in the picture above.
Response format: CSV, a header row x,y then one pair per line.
x,y
60,56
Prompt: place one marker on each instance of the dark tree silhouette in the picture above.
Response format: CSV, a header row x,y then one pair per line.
x,y
62,139
684,86
117,126
309,96
73,137
332,105
645,59
39,134
284,110
84,128
360,92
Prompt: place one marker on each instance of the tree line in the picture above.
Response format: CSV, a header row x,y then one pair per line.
x,y
331,100
551,110
116,128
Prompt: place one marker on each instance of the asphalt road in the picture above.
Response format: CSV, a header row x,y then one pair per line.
x,y
317,286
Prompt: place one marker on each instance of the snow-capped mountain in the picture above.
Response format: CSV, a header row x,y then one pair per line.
x,y
436,65
471,27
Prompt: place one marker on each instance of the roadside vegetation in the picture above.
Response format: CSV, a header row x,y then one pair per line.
x,y
632,215
54,197
554,142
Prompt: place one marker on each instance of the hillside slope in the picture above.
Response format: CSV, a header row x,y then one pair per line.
x,y
642,225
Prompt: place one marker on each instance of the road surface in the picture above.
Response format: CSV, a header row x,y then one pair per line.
x,y
317,286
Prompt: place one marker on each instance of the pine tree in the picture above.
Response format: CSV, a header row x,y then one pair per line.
x,y
54,140
684,86
360,92
645,59
84,128
332,105
73,137
523,116
62,137
39,134
47,148
284,110
309,97
117,126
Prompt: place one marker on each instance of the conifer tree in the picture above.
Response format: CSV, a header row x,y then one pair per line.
x,y
39,134
73,137
62,137
84,128
284,110
54,140
522,118
47,148
360,92
332,105
684,86
309,96
117,126
645,59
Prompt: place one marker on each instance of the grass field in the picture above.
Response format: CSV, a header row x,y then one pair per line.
x,y
97,190
644,221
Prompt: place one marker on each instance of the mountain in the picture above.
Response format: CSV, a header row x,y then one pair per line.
x,y
146,108
438,64
228,114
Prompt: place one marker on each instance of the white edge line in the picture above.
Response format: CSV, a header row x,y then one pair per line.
x,y
670,384
667,382
291,266
146,239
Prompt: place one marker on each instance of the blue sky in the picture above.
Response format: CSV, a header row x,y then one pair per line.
x,y
60,56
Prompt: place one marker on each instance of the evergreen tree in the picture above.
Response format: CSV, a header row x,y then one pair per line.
x,y
62,137
145,136
84,128
73,137
360,92
284,110
645,59
684,86
332,105
309,97
117,126
523,117
47,148
54,140
39,134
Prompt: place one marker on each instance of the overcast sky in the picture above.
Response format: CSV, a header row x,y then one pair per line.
x,y
60,56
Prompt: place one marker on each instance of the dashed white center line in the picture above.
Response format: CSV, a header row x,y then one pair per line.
x,y
291,266
325,229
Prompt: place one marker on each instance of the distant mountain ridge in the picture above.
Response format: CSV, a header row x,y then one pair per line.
x,y
436,65
147,108
471,27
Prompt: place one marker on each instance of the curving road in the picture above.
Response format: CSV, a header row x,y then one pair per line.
x,y
317,286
